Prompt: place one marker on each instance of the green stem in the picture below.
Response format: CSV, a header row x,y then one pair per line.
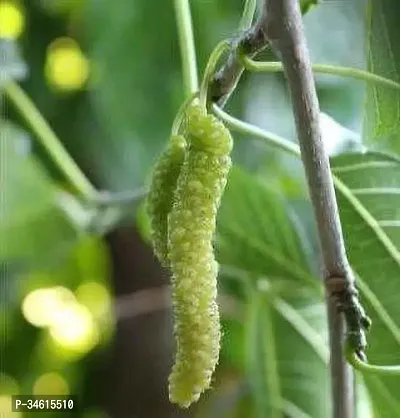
x,y
49,140
271,360
252,345
210,70
126,197
186,43
265,136
248,14
360,365
272,67
176,125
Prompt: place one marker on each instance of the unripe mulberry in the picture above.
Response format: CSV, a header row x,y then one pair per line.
x,y
192,222
160,196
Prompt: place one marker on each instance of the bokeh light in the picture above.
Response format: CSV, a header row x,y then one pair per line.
x,y
95,297
71,325
40,305
66,67
12,20
50,384
74,329
5,408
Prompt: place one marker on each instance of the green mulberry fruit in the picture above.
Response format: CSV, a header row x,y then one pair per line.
x,y
161,192
192,223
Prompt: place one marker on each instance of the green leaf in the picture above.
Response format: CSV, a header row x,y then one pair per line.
x,y
307,5
287,356
382,111
33,229
368,190
255,232
137,81
137,87
285,328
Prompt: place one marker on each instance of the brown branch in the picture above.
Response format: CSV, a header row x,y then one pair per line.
x,y
226,79
284,29
280,26
250,43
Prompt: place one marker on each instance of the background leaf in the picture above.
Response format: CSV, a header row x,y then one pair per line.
x,y
255,233
263,264
34,231
368,190
382,109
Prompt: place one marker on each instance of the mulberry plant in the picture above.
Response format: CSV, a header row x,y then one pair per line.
x,y
183,205
162,188
192,222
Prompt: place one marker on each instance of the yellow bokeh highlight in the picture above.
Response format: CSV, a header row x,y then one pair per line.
x,y
6,408
71,325
40,305
12,20
74,329
50,384
66,67
95,297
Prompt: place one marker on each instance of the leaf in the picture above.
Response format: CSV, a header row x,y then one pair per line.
x,y
288,357
284,344
254,217
137,76
33,229
368,190
137,87
382,111
285,328
307,5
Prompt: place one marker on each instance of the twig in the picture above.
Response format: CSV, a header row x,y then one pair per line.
x,y
126,197
49,140
283,27
282,23
249,43
155,299
226,79
342,377
142,302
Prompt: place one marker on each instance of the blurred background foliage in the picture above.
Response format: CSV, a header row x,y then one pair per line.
x,y
84,303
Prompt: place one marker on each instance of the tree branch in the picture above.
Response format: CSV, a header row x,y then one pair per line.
x,y
226,79
280,26
250,43
285,31
283,27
